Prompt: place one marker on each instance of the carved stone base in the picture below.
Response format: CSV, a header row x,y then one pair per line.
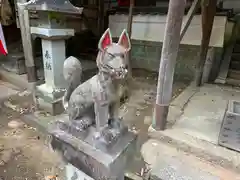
x,y
49,100
86,131
107,162
54,107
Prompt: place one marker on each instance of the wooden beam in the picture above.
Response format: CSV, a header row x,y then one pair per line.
x,y
24,23
167,62
208,13
189,17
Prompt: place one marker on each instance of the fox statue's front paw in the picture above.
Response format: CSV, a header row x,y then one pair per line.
x,y
84,123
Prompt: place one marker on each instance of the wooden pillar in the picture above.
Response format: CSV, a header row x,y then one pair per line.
x,y
129,29
208,13
100,17
24,23
167,62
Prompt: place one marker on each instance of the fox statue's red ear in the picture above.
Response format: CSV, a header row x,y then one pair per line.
x,y
105,40
124,40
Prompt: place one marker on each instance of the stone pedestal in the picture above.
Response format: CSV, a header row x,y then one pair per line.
x,y
53,48
83,153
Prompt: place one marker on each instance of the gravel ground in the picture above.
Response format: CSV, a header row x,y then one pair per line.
x,y
24,153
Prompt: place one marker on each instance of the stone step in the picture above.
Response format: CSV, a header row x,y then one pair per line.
x,y
15,62
234,74
236,48
170,163
22,82
233,82
17,80
210,152
235,64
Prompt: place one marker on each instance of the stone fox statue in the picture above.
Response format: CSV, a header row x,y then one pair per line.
x,y
98,95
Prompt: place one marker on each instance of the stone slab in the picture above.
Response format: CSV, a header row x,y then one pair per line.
x,y
202,149
169,163
49,94
15,62
197,128
230,130
52,33
54,107
204,112
94,162
41,120
171,168
18,80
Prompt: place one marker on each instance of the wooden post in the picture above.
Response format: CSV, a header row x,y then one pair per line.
x,y
129,29
100,17
208,13
168,61
24,23
227,55
189,17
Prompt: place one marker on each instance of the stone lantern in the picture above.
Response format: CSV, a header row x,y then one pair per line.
x,y
52,29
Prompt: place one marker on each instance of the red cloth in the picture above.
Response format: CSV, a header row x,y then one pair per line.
x,y
2,49
123,3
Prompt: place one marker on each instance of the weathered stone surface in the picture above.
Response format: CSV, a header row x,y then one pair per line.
x,y
230,130
169,162
171,168
196,128
72,173
146,55
96,163
94,138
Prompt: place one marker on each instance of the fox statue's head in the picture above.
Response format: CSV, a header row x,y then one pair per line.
x,y
112,57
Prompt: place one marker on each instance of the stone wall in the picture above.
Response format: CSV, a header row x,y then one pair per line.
x,y
148,35
146,55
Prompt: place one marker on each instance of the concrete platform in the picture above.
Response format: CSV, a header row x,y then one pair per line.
x,y
204,112
194,124
170,163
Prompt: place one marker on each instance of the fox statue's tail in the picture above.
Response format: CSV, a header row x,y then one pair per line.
x,y
72,72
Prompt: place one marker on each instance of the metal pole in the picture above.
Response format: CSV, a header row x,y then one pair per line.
x,y
208,13
167,62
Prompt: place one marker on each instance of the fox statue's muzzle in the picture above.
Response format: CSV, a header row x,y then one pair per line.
x,y
120,73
